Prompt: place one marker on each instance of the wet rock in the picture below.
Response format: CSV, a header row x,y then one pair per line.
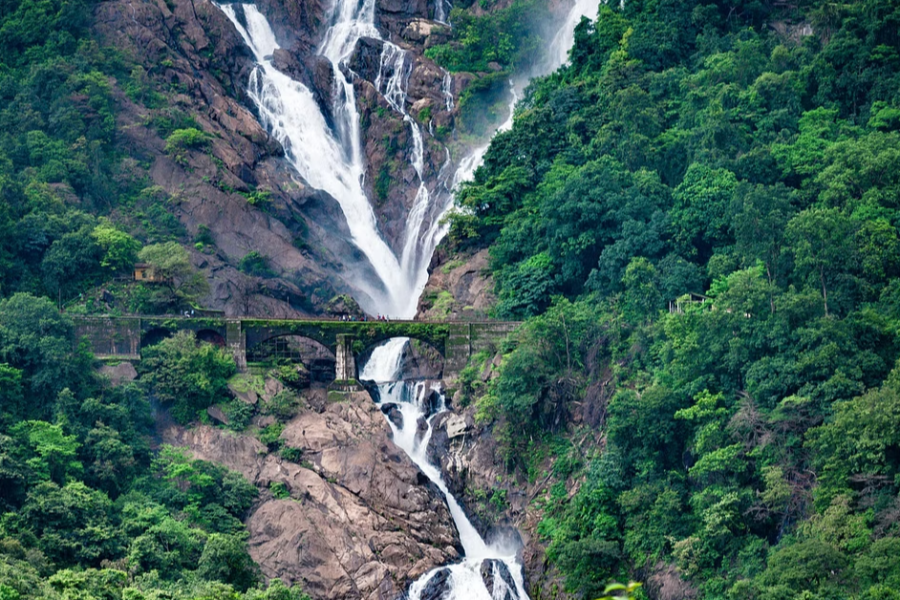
x,y
438,586
421,427
366,58
455,426
491,569
468,283
392,411
421,361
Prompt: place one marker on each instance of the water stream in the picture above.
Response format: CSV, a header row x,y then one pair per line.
x,y
464,580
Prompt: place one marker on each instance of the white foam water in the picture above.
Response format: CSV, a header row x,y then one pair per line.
x,y
332,160
384,368
290,113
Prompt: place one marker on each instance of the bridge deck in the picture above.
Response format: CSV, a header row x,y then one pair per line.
x,y
123,337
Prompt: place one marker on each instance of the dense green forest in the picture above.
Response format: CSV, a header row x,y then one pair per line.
x,y
87,510
698,218
76,207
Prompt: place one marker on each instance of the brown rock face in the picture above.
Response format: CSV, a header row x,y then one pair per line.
x,y
190,50
361,520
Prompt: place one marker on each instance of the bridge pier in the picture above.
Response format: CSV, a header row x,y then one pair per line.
x,y
236,340
345,365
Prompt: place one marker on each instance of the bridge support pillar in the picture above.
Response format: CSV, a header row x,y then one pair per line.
x,y
345,365
236,340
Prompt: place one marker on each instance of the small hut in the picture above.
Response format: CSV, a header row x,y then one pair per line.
x,y
145,272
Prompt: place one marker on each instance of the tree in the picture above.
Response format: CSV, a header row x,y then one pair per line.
x,y
120,249
72,523
641,297
11,396
36,339
50,454
822,244
762,215
859,441
225,559
71,263
702,217
186,375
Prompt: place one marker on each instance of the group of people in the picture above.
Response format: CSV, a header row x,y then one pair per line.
x,y
364,318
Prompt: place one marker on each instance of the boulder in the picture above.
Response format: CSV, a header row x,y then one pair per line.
x,y
437,587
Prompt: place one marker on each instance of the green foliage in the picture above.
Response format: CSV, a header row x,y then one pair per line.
x,y
279,490
256,264
120,249
239,414
511,37
86,510
271,435
39,341
186,375
742,443
181,140
225,559
181,284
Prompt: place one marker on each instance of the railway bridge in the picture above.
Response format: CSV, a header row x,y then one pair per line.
x,y
255,340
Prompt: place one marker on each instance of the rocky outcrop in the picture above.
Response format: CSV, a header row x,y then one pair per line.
x,y
119,374
461,288
361,520
475,472
191,49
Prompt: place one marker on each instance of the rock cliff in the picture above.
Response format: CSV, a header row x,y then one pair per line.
x,y
360,521
238,184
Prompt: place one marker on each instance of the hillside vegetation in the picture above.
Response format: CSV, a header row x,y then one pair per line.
x,y
698,217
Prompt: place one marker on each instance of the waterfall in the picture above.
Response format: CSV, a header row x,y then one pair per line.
x,y
463,580
446,91
558,52
557,55
290,113
440,10
332,160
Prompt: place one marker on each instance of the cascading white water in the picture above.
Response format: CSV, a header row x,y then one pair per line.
x,y
384,368
440,10
558,52
447,91
333,161
393,74
290,113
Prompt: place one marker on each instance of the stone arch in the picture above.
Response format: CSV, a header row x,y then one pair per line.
x,y
318,358
155,335
422,359
210,336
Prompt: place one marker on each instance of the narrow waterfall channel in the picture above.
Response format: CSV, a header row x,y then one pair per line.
x,y
464,580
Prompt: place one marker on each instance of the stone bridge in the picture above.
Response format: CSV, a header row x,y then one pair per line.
x,y
254,340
